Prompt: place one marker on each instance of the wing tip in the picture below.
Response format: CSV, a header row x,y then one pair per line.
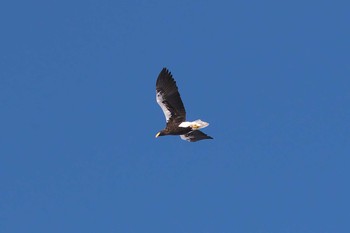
x,y
164,74
165,71
195,136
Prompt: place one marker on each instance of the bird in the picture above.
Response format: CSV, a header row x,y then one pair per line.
x,y
169,100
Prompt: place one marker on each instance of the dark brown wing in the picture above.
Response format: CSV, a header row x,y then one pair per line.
x,y
168,98
194,136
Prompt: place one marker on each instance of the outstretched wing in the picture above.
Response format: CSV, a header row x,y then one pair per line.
x,y
194,136
168,98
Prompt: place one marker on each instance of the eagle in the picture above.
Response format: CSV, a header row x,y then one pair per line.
x,y
169,100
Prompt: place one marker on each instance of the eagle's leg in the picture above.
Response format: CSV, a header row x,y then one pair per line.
x,y
195,126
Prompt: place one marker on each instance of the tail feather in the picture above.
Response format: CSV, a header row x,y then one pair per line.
x,y
195,125
200,124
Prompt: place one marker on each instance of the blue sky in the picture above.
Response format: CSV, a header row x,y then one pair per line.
x,y
78,116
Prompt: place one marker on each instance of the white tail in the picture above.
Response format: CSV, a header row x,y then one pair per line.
x,y
197,124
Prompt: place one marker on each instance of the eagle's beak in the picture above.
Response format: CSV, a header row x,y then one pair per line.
x,y
157,134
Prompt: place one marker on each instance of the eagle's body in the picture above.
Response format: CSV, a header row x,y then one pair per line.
x,y
168,98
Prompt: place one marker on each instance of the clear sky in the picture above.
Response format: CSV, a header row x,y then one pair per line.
x,y
78,116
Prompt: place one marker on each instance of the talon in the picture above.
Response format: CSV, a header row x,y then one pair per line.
x,y
195,127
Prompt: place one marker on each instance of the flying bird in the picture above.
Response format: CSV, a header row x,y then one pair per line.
x,y
168,98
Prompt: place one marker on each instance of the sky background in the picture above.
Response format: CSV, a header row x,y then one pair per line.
x,y
78,116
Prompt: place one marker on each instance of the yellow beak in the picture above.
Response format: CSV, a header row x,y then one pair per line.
x,y
157,134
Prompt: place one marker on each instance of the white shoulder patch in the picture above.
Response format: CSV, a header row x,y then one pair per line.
x,y
160,100
183,137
